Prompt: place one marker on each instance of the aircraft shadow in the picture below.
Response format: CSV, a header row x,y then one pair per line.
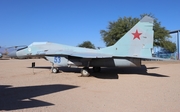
x,y
112,73
41,67
64,69
4,58
152,67
13,98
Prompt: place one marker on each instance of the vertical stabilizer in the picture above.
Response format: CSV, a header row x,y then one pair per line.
x,y
137,42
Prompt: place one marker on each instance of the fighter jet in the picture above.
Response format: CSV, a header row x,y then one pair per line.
x,y
2,51
135,45
1,55
5,50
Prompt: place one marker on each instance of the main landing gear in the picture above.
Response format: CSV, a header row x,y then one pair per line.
x,y
85,71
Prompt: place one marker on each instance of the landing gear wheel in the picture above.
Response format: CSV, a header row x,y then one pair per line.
x,y
85,72
55,70
96,69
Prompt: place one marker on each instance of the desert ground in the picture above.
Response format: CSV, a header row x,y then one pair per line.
x,y
155,87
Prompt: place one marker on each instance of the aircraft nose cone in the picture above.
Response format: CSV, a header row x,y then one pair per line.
x,y
12,54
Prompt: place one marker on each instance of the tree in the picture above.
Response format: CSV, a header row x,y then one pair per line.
x,y
117,29
87,44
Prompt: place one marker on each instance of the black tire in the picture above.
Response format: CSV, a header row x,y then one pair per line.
x,y
85,72
54,70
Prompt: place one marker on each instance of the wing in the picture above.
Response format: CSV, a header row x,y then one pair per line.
x,y
73,54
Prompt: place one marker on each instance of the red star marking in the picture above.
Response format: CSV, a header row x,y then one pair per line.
x,y
136,35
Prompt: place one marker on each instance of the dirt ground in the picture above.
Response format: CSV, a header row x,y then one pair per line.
x,y
155,87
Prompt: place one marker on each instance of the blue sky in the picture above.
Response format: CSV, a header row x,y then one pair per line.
x,y
73,21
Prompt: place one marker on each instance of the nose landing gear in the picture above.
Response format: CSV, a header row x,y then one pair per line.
x,y
54,70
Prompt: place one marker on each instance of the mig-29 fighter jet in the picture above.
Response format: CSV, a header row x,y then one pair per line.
x,y
128,51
